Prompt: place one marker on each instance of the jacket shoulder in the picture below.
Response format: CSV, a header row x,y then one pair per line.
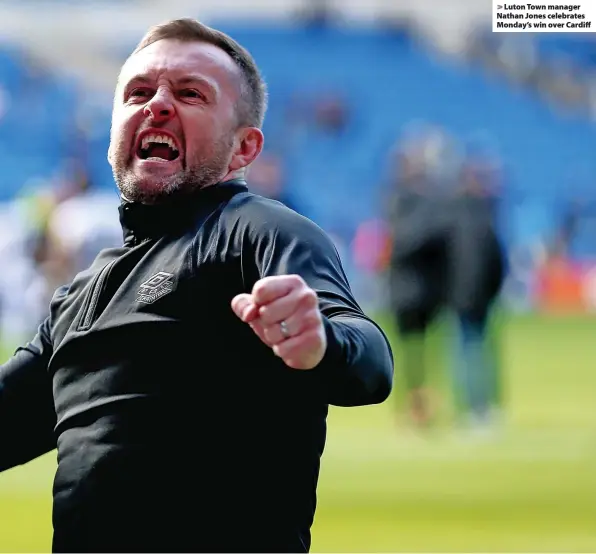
x,y
250,211
248,204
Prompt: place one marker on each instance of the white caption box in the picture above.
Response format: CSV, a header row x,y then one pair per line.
x,y
577,16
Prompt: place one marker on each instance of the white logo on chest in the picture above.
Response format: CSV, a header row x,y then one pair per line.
x,y
154,288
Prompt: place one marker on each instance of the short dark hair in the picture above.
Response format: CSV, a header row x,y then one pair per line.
x,y
253,98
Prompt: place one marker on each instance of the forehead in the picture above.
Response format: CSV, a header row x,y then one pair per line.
x,y
174,58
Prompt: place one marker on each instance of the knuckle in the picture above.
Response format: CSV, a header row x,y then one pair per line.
x,y
264,315
308,297
267,315
303,294
259,291
296,280
314,318
258,287
312,298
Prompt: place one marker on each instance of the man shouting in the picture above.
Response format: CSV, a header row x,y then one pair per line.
x,y
185,377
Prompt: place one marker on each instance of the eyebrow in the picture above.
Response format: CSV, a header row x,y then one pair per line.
x,y
186,80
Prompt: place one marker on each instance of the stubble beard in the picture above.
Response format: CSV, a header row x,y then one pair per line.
x,y
204,172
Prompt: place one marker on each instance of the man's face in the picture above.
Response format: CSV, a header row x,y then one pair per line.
x,y
174,126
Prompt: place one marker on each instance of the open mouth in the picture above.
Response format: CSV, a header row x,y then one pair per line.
x,y
157,147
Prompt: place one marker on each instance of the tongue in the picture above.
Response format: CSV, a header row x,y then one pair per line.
x,y
160,151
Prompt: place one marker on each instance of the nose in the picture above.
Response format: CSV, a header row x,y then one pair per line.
x,y
161,107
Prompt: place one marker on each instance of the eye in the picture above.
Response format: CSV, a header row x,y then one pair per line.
x,y
190,93
139,93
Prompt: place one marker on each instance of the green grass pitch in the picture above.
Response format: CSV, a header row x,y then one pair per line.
x,y
530,488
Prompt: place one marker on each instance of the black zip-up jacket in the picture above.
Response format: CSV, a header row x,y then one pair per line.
x,y
177,429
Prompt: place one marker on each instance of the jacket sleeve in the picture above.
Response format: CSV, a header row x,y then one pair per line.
x,y
358,365
27,415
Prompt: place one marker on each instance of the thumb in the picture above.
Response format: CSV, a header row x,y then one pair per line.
x,y
244,307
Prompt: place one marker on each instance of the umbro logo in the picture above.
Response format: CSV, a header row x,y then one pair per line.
x,y
154,288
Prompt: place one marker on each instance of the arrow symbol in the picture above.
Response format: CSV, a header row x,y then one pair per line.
x,y
499,7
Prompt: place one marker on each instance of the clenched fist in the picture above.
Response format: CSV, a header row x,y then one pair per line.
x,y
284,313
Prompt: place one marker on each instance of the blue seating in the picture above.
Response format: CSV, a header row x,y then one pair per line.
x,y
574,46
386,82
11,66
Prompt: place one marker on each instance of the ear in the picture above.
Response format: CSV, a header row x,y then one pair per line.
x,y
111,146
110,153
248,145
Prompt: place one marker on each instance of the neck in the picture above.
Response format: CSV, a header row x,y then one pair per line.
x,y
155,220
234,174
229,176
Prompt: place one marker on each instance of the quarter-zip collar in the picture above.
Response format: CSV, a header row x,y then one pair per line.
x,y
142,221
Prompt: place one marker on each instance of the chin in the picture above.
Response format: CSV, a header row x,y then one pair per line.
x,y
148,189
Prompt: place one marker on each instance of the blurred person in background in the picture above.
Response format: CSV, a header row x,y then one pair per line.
x,y
446,257
194,364
418,219
317,14
23,287
476,273
331,114
577,222
82,223
267,178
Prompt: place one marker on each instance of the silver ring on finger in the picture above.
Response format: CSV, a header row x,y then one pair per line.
x,y
283,327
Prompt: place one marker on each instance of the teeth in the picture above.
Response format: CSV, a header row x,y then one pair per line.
x,y
158,138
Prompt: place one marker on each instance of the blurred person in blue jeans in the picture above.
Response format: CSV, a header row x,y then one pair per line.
x,y
445,257
476,272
